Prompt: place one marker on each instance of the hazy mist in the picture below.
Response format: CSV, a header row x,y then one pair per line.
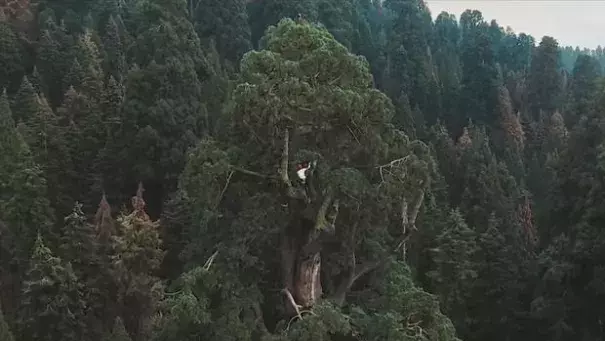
x,y
572,23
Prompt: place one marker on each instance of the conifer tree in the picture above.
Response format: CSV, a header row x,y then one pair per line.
x,y
25,106
584,84
11,57
47,141
276,121
408,36
138,255
114,50
37,81
479,93
105,297
448,68
55,59
75,76
118,332
80,247
512,142
24,206
266,13
52,308
544,80
107,133
81,117
104,224
226,22
503,265
78,243
456,269
162,114
87,53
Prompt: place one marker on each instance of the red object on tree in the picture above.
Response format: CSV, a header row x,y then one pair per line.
x,y
301,170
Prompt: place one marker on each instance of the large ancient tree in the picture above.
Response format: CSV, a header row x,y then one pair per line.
x,y
304,98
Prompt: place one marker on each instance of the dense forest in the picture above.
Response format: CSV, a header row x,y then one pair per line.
x,y
296,170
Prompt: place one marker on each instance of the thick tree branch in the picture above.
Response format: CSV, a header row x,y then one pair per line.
x,y
210,260
285,160
381,168
418,204
283,170
408,219
222,194
293,304
408,222
320,219
356,272
252,173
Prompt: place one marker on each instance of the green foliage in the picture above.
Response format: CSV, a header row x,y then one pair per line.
x,y
78,242
456,171
267,13
408,49
584,84
51,305
47,140
118,332
455,259
5,332
25,106
479,93
23,205
136,259
114,48
401,311
306,83
55,59
210,305
11,57
226,22
544,81
162,115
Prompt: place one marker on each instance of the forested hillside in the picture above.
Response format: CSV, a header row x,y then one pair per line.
x,y
305,170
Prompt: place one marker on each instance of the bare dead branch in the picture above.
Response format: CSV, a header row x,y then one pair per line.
x,y
210,260
355,273
405,220
292,302
416,209
394,162
222,194
310,312
414,327
283,170
419,201
387,167
408,219
285,159
352,133
358,271
251,173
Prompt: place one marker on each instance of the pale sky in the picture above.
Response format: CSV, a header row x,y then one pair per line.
x,y
580,23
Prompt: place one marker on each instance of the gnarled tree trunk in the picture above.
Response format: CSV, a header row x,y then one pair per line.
x,y
301,266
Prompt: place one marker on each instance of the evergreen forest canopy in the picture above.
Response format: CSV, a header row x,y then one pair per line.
x,y
149,188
